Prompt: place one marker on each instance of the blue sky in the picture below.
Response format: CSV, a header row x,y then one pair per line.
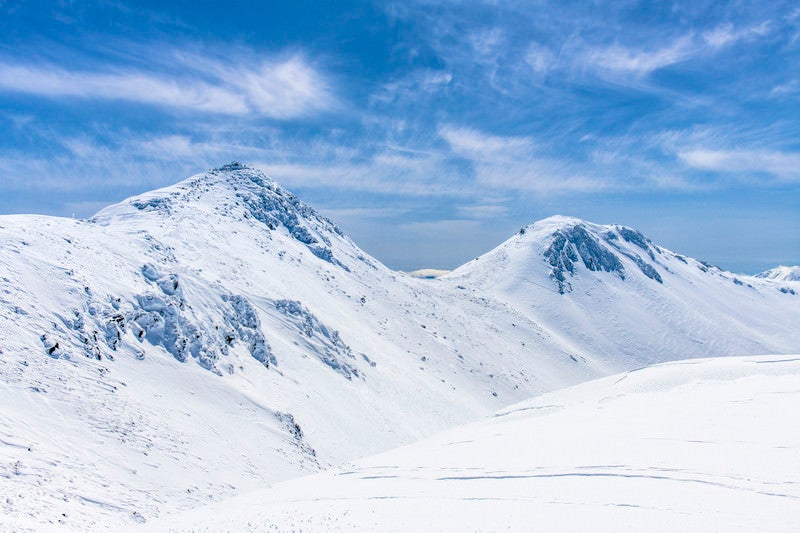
x,y
431,131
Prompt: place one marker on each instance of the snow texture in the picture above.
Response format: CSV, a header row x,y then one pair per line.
x,y
166,352
702,445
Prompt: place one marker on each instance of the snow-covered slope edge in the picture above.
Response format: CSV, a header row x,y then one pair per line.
x,y
699,445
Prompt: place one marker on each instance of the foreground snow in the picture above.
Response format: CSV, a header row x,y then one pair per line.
x,y
701,445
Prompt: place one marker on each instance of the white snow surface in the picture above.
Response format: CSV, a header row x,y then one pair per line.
x,y
213,337
697,445
781,273
612,318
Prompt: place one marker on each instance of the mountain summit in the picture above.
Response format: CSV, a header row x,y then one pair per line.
x,y
781,273
235,191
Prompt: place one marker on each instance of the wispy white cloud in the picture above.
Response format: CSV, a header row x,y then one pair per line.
x,y
640,61
482,211
416,84
361,213
280,89
380,173
540,58
785,166
512,163
477,145
727,34
446,226
487,44
784,89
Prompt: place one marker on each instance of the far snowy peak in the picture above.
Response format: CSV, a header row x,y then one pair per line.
x,y
781,273
567,254
598,248
564,245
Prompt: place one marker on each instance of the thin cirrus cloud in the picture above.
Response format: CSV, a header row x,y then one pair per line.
x,y
514,163
539,58
379,173
641,61
784,166
281,89
638,62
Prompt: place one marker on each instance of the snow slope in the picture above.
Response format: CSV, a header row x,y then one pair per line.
x,y
612,296
699,445
218,335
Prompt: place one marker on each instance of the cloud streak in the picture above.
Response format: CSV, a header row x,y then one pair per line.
x,y
785,166
279,89
514,163
638,61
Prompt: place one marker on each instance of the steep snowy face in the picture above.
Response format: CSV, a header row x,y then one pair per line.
x,y
190,298
568,245
235,191
608,291
573,242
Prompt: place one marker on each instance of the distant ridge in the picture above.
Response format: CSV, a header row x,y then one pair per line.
x,y
781,273
428,273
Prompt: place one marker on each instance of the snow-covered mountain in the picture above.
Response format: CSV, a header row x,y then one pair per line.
x,y
701,445
611,296
781,273
215,336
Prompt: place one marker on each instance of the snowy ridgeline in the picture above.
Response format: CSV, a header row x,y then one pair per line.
x,y
702,445
219,335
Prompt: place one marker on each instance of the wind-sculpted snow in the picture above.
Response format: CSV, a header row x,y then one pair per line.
x,y
648,269
641,241
162,317
161,205
247,327
324,342
633,236
274,207
572,244
168,320
294,429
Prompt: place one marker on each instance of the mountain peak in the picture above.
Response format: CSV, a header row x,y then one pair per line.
x,y
781,273
232,192
233,165
553,223
568,244
234,174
